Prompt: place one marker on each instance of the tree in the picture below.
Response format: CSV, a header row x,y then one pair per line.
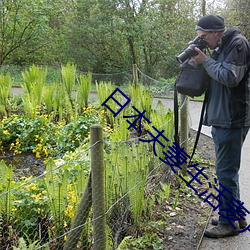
x,y
21,21
237,13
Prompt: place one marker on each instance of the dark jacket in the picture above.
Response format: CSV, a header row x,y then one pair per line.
x,y
229,90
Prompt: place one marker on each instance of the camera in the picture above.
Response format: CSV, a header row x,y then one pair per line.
x,y
190,51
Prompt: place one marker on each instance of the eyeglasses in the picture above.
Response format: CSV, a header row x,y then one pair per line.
x,y
203,36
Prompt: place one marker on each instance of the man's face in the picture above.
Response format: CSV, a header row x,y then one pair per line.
x,y
211,38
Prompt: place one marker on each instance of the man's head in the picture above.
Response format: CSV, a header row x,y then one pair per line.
x,y
211,29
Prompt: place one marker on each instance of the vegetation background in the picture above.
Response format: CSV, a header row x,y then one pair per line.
x,y
107,36
102,37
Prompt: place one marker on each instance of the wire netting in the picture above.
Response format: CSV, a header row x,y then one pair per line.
x,y
44,209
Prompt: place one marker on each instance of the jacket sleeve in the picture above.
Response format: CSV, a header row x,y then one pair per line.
x,y
232,69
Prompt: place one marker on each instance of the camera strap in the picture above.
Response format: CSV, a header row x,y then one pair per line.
x,y
176,122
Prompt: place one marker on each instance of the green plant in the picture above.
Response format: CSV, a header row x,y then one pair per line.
x,y
83,90
125,172
5,90
6,184
22,245
34,81
48,98
43,137
30,207
164,191
68,74
56,189
141,98
162,119
104,90
147,241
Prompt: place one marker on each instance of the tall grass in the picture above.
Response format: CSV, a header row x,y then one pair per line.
x,y
5,90
68,74
141,98
162,119
104,90
33,85
6,184
83,90
48,98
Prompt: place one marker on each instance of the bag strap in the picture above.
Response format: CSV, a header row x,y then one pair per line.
x,y
176,116
176,121
199,127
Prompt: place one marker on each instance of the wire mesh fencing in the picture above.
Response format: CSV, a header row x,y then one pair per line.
x,y
56,209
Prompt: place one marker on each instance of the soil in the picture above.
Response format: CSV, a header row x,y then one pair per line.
x,y
25,164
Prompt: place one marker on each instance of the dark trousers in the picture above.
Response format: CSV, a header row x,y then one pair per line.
x,y
228,145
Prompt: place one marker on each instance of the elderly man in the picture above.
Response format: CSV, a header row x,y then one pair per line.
x,y
228,112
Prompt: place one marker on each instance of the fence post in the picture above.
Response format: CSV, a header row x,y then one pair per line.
x,y
80,218
184,127
135,74
98,195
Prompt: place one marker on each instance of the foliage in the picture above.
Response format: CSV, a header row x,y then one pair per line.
x,y
42,136
34,81
127,167
22,245
51,200
147,241
236,13
6,184
68,74
44,206
141,99
30,204
5,89
106,36
22,23
162,120
104,90
83,90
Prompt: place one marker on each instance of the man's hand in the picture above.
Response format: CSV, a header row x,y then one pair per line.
x,y
200,58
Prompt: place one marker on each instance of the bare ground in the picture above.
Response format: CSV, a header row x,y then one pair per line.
x,y
185,229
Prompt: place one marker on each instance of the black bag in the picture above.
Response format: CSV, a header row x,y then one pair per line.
x,y
192,80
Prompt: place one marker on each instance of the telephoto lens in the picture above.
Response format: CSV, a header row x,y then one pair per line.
x,y
190,50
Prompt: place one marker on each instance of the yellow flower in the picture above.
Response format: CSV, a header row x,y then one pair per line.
x,y
38,156
37,196
6,132
45,151
16,152
69,211
31,186
14,209
73,199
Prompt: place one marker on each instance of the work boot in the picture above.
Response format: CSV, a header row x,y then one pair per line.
x,y
221,231
242,222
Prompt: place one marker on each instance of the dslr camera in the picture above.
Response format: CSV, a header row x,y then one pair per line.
x,y
190,51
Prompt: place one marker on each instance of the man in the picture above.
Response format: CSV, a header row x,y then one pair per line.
x,y
227,111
